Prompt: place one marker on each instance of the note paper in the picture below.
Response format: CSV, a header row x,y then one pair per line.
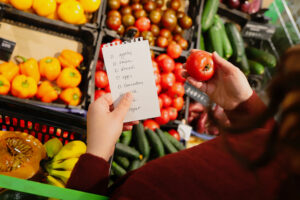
x,y
129,69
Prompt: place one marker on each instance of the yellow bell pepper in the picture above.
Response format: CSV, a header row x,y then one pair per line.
x,y
90,6
50,68
44,7
69,58
22,4
4,1
30,68
71,96
70,11
69,77
4,85
23,87
9,70
47,92
53,16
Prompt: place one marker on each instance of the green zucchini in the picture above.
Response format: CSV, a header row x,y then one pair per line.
x,y
227,49
265,58
214,33
256,67
174,141
167,144
123,161
134,165
209,11
244,65
236,40
141,141
126,151
155,142
117,169
126,137
202,44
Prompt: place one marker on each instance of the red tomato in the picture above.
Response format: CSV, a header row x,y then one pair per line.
x,y
151,124
161,57
177,90
167,101
160,101
164,117
175,134
143,24
113,22
173,113
178,103
117,41
167,80
101,80
174,50
200,65
157,78
178,75
178,65
100,52
155,66
158,87
100,65
167,64
99,93
107,89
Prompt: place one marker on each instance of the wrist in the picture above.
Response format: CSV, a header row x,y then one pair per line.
x,y
103,151
240,99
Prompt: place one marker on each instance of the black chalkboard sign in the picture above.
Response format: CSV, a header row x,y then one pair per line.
x,y
258,31
6,49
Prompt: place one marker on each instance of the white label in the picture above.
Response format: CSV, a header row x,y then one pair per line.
x,y
184,131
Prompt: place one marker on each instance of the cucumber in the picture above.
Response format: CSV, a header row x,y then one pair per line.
x,y
174,141
214,34
202,44
209,11
236,41
141,139
134,165
126,151
126,137
244,65
155,142
167,144
265,58
117,169
208,45
227,49
256,68
122,161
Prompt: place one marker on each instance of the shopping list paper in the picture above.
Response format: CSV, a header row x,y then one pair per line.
x,y
129,69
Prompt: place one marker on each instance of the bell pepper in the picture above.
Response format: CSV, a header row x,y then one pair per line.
x,y
44,7
47,92
9,70
69,77
71,96
23,87
50,68
29,67
4,85
69,58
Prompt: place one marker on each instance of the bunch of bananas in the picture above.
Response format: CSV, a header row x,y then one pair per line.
x,y
62,160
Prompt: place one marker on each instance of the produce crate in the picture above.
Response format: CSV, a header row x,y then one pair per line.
x,y
194,10
79,38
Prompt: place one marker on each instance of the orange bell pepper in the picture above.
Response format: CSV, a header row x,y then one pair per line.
x,y
4,85
50,68
9,70
71,96
29,67
23,87
69,77
69,58
47,92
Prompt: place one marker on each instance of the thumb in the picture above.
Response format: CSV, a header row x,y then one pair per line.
x,y
123,106
222,64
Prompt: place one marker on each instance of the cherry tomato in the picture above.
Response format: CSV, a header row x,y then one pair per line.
x,y
178,65
113,22
158,87
155,66
200,65
100,52
167,64
167,80
160,101
167,101
101,80
177,90
173,113
178,74
157,78
100,65
143,24
175,134
151,124
162,42
99,93
174,50
164,117
183,43
178,103
107,89
161,57
117,41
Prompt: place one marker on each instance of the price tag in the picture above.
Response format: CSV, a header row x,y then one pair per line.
x,y
184,131
258,31
6,49
196,94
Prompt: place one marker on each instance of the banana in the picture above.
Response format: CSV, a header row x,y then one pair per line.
x,y
53,181
53,146
71,150
63,175
65,164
